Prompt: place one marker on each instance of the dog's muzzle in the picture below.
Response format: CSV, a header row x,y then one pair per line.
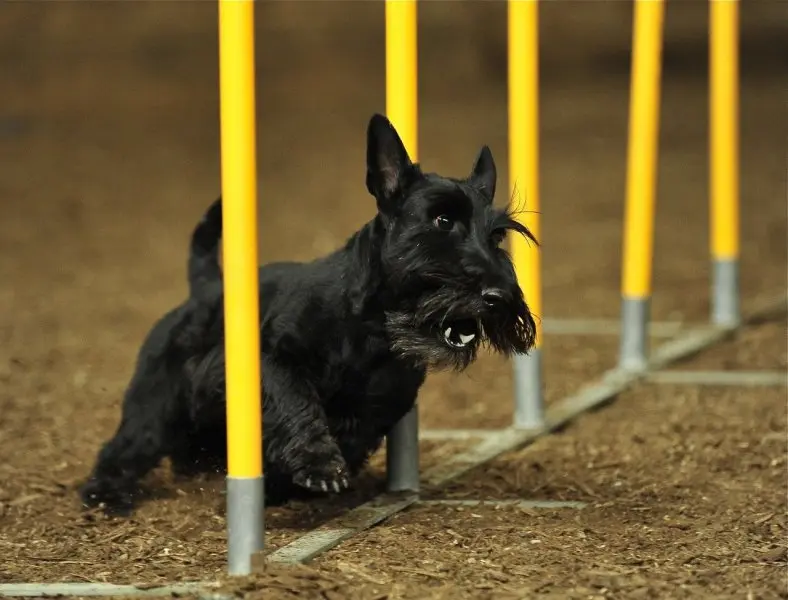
x,y
463,332
449,325
460,334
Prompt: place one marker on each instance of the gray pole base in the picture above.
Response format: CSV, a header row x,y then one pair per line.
x,y
725,310
633,353
528,396
402,454
245,522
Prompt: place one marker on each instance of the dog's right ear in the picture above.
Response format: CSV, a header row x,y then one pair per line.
x,y
483,174
388,164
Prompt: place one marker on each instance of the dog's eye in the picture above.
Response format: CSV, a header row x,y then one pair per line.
x,y
443,223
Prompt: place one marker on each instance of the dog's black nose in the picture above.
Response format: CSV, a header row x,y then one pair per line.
x,y
493,297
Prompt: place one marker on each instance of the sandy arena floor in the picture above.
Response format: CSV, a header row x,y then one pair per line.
x,y
109,153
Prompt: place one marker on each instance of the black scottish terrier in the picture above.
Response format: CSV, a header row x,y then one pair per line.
x,y
346,339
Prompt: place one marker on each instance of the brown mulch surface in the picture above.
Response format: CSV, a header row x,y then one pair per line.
x,y
109,154
686,492
752,349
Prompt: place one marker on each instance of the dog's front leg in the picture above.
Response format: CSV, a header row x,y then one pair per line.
x,y
297,439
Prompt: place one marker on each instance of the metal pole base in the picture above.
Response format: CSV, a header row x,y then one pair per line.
x,y
402,454
725,310
633,353
528,399
245,522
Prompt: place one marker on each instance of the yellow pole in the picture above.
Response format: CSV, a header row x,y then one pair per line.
x,y
641,180
241,315
524,145
402,72
402,443
724,163
523,48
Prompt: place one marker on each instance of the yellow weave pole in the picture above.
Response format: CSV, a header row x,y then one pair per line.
x,y
724,163
641,184
523,48
245,499
402,72
402,443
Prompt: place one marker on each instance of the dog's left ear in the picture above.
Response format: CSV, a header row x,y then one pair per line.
x,y
388,163
483,174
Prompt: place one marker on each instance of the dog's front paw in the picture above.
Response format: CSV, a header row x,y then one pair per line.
x,y
332,476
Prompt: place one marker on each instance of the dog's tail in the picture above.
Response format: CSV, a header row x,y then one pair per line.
x,y
204,267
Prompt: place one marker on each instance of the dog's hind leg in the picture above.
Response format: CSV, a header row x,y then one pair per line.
x,y
147,432
297,439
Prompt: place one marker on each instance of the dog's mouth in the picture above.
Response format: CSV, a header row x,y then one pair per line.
x,y
447,329
461,333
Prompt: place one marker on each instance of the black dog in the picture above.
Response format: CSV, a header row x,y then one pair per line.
x,y
347,339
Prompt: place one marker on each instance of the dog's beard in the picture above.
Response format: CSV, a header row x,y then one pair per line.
x,y
448,326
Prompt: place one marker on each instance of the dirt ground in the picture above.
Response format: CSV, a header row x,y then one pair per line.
x,y
109,152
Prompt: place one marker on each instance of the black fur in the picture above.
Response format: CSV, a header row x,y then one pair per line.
x,y
347,339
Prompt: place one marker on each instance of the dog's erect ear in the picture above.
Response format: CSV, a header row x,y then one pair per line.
x,y
483,174
388,163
